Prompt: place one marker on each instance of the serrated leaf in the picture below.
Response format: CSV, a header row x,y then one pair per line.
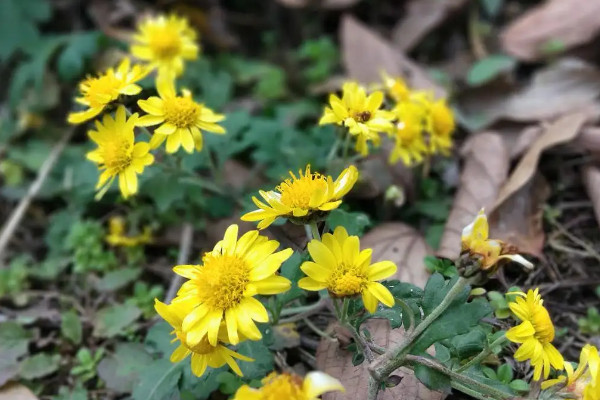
x,y
158,381
489,68
70,326
38,366
112,320
117,279
263,359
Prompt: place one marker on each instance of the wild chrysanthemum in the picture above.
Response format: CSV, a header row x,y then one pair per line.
x,y
117,155
442,127
396,88
203,353
222,288
409,144
303,198
475,241
361,114
99,91
165,42
344,270
290,387
117,237
534,334
181,118
576,382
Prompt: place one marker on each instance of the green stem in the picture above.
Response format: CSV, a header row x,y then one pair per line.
x,y
373,389
394,358
411,316
346,147
338,312
314,229
345,305
301,309
483,355
316,329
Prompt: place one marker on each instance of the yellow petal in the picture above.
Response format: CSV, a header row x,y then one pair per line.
x,y
316,383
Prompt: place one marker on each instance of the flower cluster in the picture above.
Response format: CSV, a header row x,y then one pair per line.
x,y
117,237
161,44
419,124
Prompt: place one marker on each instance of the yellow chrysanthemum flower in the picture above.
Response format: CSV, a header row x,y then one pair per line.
x,y
203,353
99,91
344,270
360,113
475,241
534,334
181,118
117,237
165,42
117,154
222,288
408,131
396,88
442,127
576,382
303,198
290,387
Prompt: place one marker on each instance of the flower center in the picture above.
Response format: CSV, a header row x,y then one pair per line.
x,y
297,192
164,42
101,90
117,154
362,116
182,112
284,386
347,280
222,281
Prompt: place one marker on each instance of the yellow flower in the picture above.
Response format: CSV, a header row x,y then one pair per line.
x,y
396,87
344,270
117,154
475,241
97,92
116,234
290,387
181,118
165,42
310,195
408,134
360,113
535,334
223,287
203,353
442,127
576,382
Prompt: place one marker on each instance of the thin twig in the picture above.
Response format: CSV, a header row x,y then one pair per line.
x,y
19,212
184,252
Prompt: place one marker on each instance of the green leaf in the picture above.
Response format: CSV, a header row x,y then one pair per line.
x,y
505,373
14,340
118,279
18,20
489,68
79,48
120,371
263,359
433,379
158,339
158,381
70,326
78,393
519,385
229,382
291,269
39,365
354,222
113,320
199,388
470,343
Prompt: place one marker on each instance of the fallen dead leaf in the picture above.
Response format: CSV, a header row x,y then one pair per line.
x,y
565,22
519,220
563,130
589,139
366,54
331,4
407,248
591,179
421,17
566,86
16,391
485,170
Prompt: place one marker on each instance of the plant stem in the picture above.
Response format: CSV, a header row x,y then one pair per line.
x,y
346,147
382,367
483,355
411,316
345,305
360,341
373,389
316,329
302,309
314,229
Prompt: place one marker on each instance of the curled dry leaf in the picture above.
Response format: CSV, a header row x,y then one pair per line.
x,y
366,54
485,170
16,391
563,23
591,179
563,130
407,248
422,16
331,4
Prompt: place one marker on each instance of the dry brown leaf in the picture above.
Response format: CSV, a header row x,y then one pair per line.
x,y
16,391
568,22
590,139
421,17
331,4
407,248
485,170
366,54
519,220
563,130
591,179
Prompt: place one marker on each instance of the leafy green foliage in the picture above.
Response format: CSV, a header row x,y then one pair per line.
x,y
505,375
14,340
591,323
77,393
263,359
18,24
86,242
38,366
13,280
440,265
499,302
159,381
409,294
321,56
86,363
143,297
354,222
122,369
431,378
117,279
113,320
70,326
492,7
489,68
